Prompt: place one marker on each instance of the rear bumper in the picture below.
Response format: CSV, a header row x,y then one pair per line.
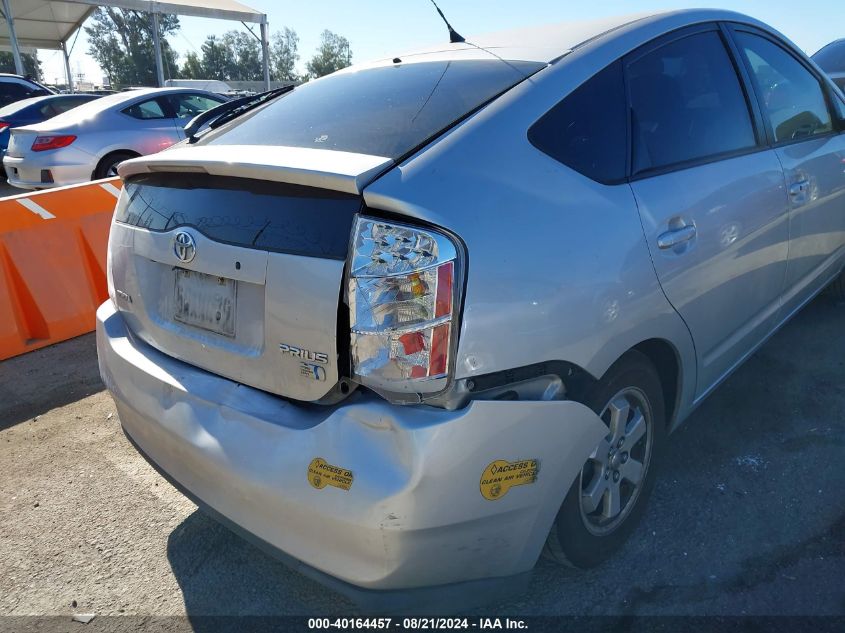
x,y
25,173
414,515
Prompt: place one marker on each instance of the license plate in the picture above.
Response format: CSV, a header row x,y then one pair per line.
x,y
206,301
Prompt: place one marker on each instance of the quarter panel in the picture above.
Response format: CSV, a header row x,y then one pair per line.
x,y
558,267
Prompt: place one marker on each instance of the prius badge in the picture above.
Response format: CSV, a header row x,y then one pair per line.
x,y
311,363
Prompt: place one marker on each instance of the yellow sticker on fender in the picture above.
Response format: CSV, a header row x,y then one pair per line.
x,y
322,474
500,476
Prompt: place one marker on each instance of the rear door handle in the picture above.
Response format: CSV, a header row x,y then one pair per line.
x,y
799,188
671,239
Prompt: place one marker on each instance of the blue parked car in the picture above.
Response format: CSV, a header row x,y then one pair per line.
x,y
35,110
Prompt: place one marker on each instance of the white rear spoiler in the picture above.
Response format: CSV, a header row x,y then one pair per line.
x,y
323,168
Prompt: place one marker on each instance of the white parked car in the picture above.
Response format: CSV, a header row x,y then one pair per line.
x,y
88,142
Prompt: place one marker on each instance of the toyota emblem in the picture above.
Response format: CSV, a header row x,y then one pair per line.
x,y
184,246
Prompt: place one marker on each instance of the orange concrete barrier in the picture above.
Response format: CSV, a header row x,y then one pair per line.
x,y
53,263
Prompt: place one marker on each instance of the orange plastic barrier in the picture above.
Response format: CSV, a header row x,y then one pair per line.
x,y
53,263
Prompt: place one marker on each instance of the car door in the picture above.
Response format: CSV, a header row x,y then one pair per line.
x,y
154,127
711,195
802,126
188,105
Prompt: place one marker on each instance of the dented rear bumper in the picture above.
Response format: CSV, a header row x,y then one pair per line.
x,y
378,496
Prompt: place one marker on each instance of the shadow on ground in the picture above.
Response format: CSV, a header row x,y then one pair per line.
x,y
34,383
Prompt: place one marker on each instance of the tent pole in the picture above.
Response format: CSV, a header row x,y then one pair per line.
x,y
67,68
13,38
157,47
265,53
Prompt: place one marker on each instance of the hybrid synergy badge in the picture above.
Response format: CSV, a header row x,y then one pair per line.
x,y
501,475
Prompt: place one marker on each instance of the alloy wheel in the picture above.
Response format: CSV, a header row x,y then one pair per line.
x,y
612,478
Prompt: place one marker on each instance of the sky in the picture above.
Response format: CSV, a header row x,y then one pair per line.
x,y
381,28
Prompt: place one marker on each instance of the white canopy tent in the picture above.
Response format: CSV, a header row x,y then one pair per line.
x,y
51,23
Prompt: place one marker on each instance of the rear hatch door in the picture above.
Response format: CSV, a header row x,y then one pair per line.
x,y
238,275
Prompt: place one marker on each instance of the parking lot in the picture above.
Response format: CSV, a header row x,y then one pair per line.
x,y
747,516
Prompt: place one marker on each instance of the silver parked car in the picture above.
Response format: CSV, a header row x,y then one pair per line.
x,y
414,322
88,142
831,59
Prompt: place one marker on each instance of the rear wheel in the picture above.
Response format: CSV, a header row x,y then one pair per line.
x,y
606,500
108,165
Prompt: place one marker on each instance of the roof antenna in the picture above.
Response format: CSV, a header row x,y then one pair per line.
x,y
454,36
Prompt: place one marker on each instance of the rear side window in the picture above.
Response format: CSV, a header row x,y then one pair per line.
x,y
587,131
150,109
791,96
383,111
687,104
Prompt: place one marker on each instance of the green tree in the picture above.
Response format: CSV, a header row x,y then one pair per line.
x,y
121,41
31,64
192,68
218,60
333,54
284,55
246,53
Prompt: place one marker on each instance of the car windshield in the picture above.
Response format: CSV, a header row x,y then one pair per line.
x,y
831,58
383,111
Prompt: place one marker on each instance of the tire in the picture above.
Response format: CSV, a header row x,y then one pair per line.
x,y
107,166
583,538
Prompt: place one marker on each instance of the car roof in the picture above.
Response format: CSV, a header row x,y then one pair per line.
x,y
549,42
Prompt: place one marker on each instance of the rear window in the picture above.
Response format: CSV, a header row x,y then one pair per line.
x,y
385,111
251,213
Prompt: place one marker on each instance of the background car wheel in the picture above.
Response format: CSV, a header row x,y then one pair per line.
x,y
606,500
108,165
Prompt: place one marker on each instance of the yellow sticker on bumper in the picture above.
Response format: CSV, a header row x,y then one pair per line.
x,y
501,475
322,474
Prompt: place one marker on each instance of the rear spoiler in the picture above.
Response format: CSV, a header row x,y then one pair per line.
x,y
327,169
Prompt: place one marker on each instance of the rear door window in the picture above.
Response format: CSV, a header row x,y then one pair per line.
x,y
383,111
587,131
150,109
791,96
687,104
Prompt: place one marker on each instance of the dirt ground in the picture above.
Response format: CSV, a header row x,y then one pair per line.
x,y
748,516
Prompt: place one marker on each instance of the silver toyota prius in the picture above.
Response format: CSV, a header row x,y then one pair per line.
x,y
417,322
91,140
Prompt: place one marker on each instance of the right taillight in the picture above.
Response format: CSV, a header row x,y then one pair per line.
x,y
403,299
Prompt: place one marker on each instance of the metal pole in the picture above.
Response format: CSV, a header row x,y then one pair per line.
x,y
157,47
265,53
67,68
13,38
